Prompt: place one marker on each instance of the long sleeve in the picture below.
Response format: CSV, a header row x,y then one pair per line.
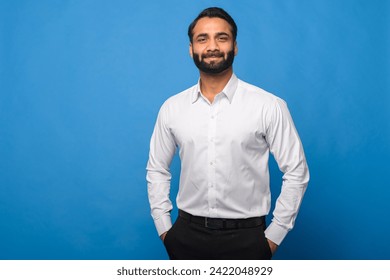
x,y
162,150
286,147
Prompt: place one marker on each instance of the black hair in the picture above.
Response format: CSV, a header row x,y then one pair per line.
x,y
213,12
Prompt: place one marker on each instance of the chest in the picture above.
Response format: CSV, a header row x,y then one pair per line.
x,y
220,123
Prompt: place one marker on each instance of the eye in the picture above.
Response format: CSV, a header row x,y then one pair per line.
x,y
223,38
201,39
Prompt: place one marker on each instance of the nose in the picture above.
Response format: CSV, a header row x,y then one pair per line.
x,y
213,45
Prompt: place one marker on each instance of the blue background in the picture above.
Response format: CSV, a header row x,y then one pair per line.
x,y
81,83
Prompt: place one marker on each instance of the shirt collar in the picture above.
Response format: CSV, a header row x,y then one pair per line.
x,y
229,90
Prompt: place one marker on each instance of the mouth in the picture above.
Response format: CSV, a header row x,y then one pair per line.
x,y
213,55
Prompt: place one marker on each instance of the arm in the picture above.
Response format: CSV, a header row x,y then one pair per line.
x,y
162,150
287,149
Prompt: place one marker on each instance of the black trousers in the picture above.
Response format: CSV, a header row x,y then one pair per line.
x,y
190,241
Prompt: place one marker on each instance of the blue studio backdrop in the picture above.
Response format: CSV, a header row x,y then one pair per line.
x,y
81,83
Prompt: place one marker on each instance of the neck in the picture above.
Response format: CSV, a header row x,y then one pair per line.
x,y
212,84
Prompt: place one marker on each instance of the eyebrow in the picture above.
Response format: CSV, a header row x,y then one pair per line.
x,y
202,35
223,34
218,34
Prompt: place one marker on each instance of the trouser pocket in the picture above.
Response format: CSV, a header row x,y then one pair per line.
x,y
264,245
169,240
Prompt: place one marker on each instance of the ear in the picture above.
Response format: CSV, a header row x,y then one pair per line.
x,y
190,50
235,48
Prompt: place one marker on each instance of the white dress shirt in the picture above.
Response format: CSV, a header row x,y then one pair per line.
x,y
224,150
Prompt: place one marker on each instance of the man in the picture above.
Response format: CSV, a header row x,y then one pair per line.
x,y
224,129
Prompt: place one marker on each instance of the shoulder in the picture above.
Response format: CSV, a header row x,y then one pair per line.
x,y
258,101
258,95
180,98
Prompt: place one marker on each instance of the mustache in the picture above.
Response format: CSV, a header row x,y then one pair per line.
x,y
213,54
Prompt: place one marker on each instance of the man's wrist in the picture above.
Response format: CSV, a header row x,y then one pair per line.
x,y
273,246
162,236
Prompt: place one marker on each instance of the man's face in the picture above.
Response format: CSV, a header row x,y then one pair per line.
x,y
213,47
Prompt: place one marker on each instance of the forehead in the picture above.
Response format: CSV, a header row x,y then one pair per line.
x,y
208,25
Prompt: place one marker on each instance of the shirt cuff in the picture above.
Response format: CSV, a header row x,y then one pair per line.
x,y
163,224
275,233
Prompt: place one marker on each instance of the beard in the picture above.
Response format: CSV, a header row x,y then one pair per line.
x,y
213,67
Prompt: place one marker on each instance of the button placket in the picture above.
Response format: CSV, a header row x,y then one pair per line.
x,y
212,156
